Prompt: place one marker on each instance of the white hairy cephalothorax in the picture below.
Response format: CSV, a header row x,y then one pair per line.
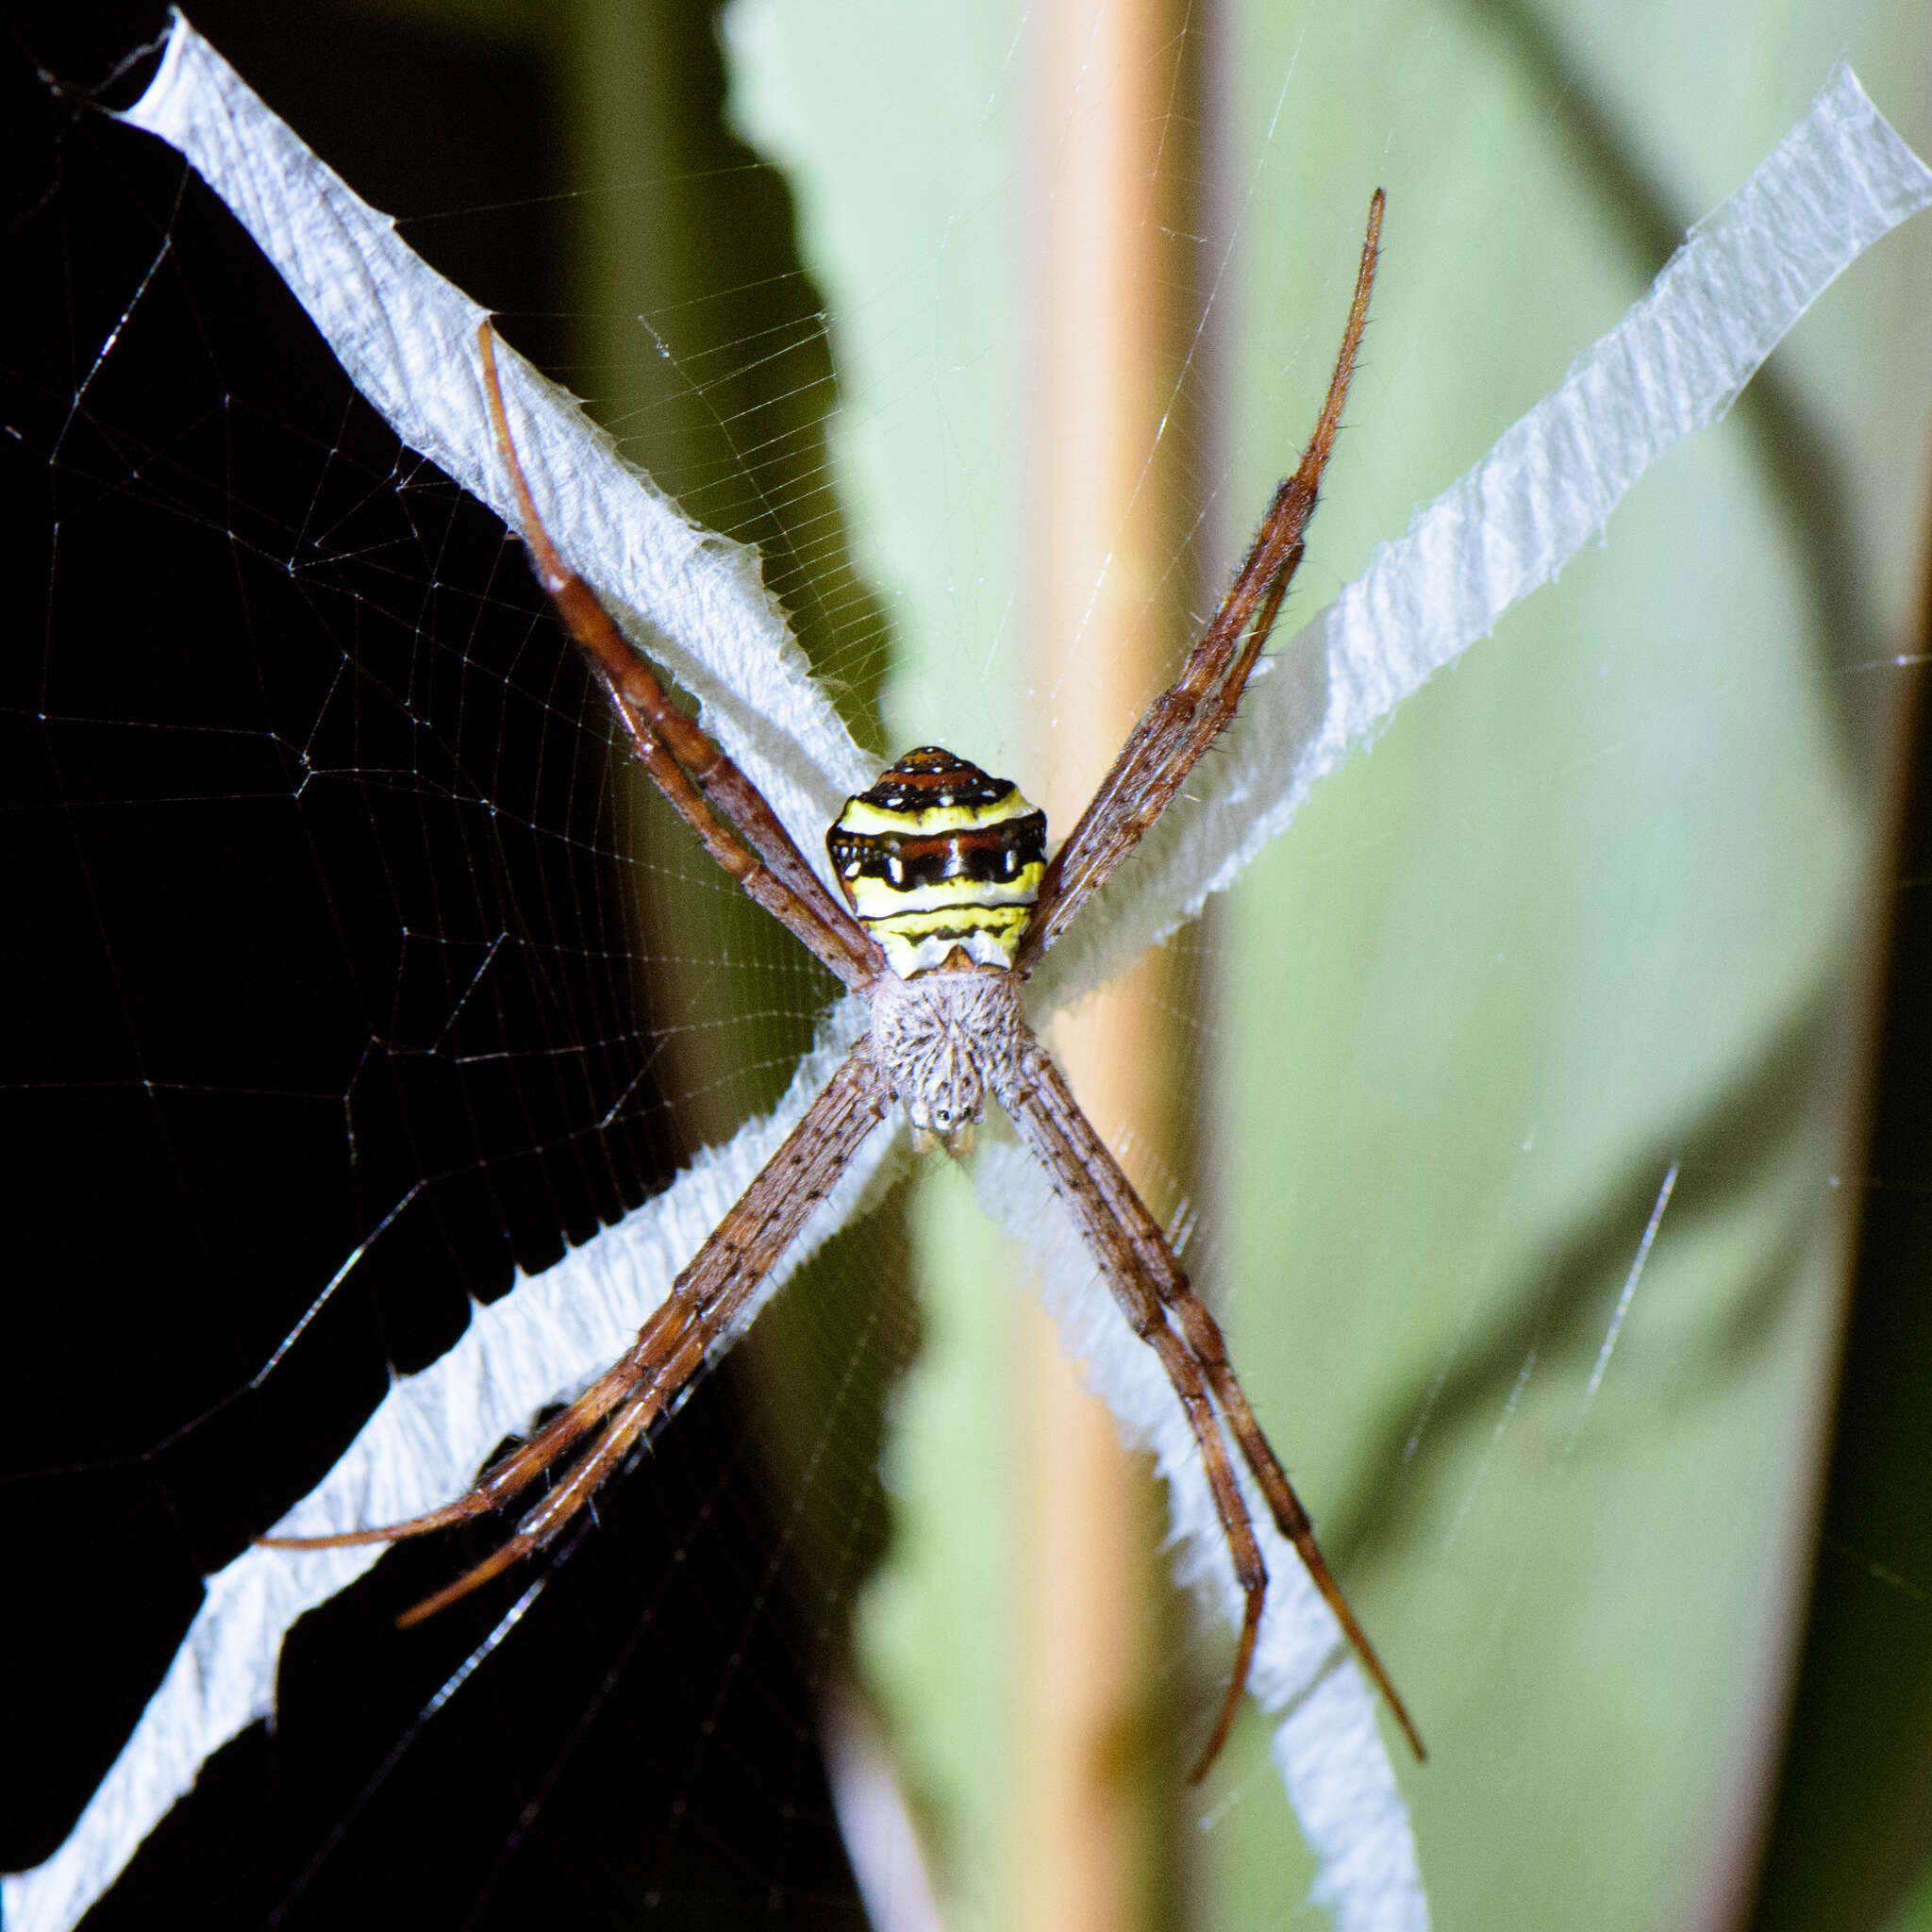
x,y
941,1039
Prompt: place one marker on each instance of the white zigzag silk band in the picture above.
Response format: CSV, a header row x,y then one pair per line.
x,y
1840,180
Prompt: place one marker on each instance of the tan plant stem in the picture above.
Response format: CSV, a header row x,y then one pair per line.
x,y
1097,1771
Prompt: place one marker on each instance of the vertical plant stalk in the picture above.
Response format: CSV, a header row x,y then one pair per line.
x,y
1095,1768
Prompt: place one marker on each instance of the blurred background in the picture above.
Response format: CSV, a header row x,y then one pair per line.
x,y
1544,1114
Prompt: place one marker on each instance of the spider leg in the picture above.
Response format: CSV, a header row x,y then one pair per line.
x,y
1205,1343
722,1276
729,814
1194,711
1151,1288
542,1523
1250,1570
1208,1347
502,1480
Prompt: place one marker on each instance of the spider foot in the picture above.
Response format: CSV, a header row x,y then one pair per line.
x,y
1238,1682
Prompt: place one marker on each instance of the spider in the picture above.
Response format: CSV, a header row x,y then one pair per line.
x,y
950,903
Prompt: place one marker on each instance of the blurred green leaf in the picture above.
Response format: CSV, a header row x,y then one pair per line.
x,y
1595,907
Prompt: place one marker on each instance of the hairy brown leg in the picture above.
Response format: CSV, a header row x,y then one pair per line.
x,y
1163,1270
1203,1338
502,1481
1186,718
1149,1284
722,1276
683,760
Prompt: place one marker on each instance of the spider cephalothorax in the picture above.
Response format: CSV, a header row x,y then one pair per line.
x,y
950,901
942,865
941,1039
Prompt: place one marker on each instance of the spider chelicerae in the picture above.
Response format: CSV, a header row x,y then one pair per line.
x,y
950,903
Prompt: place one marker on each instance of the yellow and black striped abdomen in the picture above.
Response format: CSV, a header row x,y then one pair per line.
x,y
937,855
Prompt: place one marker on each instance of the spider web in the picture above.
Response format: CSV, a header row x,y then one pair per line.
x,y
420,1048
330,656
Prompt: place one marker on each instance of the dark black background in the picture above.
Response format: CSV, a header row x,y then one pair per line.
x,y
290,743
